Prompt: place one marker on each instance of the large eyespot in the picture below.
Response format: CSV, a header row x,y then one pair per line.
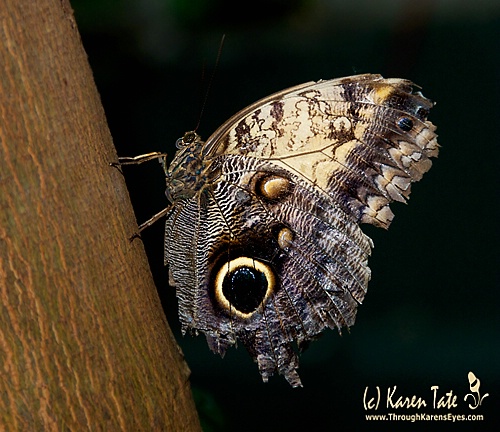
x,y
242,285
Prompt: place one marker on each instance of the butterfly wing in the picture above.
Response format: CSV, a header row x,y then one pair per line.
x,y
363,138
269,250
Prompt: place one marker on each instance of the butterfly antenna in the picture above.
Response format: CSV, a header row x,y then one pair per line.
x,y
204,103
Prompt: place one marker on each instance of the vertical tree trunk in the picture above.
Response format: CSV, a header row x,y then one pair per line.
x,y
84,344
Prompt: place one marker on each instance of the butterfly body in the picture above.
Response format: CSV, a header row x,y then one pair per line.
x,y
263,239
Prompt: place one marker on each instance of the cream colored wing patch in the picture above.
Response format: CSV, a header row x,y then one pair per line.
x,y
364,132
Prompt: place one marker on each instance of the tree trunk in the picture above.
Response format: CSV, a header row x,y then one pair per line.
x,y
84,344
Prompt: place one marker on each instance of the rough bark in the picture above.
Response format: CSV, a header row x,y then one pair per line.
x,y
84,344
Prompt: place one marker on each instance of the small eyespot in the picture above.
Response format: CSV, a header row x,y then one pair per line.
x,y
405,124
285,238
273,187
422,113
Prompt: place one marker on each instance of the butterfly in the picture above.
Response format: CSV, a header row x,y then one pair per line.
x,y
262,239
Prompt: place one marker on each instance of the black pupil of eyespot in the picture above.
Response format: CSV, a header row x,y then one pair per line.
x,y
245,288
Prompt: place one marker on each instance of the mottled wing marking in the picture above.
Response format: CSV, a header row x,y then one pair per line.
x,y
343,134
323,268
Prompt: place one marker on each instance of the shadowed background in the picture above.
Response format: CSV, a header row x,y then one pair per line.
x,y
431,313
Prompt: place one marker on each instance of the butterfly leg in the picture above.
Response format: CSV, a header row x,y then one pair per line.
x,y
154,218
136,160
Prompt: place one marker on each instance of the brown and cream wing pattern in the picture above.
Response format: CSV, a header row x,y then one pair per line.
x,y
263,242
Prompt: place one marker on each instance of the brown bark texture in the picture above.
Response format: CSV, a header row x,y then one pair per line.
x,y
84,344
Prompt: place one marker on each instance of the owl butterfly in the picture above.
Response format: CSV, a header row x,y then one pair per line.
x,y
262,239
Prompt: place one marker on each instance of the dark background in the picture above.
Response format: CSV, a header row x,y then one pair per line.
x,y
432,311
